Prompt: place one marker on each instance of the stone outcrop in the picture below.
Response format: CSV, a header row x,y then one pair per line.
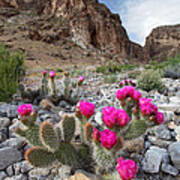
x,y
93,26
90,23
163,42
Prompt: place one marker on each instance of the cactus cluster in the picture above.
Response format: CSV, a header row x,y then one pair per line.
x,y
118,125
50,144
71,89
53,144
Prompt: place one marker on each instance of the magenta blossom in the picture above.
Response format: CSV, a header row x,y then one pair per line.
x,y
127,169
126,91
159,118
86,108
109,116
81,78
25,109
122,117
146,107
44,72
121,83
108,138
136,95
52,74
121,95
96,135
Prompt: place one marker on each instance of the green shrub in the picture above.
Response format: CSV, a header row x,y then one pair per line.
x,y
171,61
149,80
172,71
11,69
113,68
110,79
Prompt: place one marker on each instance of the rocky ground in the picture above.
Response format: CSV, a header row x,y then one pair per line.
x,y
158,158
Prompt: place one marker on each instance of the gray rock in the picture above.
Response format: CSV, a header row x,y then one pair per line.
x,y
10,170
4,122
18,177
3,134
12,111
159,142
163,152
152,160
40,174
17,143
167,168
8,110
3,175
44,115
174,151
16,124
9,156
22,167
162,132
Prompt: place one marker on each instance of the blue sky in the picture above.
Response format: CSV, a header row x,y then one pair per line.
x,y
139,17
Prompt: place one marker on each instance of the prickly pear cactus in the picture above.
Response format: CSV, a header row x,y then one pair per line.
x,y
47,145
68,127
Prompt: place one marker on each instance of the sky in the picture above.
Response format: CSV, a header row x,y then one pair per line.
x,y
139,17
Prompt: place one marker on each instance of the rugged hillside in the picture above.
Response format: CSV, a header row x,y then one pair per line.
x,y
86,25
163,41
90,25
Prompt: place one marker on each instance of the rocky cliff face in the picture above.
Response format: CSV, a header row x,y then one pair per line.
x,y
91,25
163,42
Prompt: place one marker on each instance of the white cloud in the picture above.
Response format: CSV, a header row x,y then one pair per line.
x,y
139,17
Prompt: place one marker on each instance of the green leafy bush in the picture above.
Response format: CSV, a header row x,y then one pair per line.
x,y
149,80
171,61
172,71
114,68
11,69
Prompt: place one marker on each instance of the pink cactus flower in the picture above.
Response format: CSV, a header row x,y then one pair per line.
x,y
126,81
146,109
122,117
81,78
130,90
109,116
108,138
96,135
154,109
144,101
159,118
52,74
136,95
121,94
44,72
25,109
121,83
86,108
127,169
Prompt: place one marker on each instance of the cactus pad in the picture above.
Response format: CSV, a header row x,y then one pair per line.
x,y
103,160
136,129
48,136
39,157
32,136
67,155
68,127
